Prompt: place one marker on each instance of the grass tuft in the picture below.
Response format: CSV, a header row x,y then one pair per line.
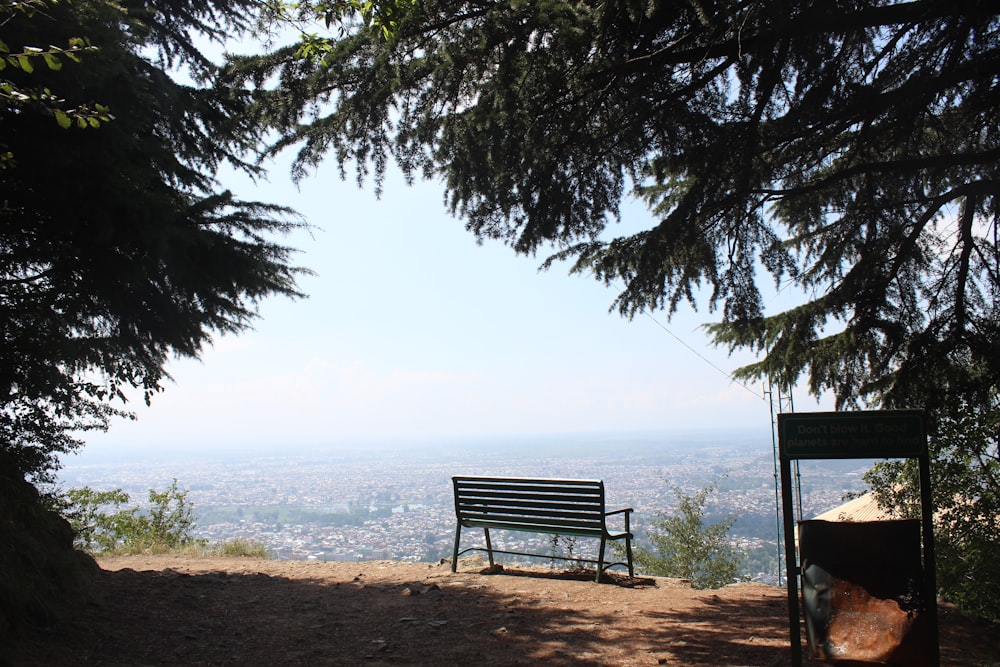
x,y
240,548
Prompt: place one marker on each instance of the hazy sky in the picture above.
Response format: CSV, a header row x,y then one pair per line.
x,y
412,330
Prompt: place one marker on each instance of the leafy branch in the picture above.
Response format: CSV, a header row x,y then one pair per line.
x,y
14,95
384,17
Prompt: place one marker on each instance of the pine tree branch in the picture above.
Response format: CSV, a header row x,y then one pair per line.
x,y
822,20
966,242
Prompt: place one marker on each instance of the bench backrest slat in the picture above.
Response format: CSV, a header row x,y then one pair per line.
x,y
590,525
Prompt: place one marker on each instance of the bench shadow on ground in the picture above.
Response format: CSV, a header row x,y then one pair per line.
x,y
170,618
573,574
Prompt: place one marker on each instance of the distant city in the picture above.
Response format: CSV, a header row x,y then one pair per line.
x,y
386,502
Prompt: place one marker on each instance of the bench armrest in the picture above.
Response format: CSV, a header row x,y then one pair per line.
x,y
624,509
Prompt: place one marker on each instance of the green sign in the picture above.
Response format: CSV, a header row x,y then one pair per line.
x,y
873,434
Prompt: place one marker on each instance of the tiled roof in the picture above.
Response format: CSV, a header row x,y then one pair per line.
x,y
862,508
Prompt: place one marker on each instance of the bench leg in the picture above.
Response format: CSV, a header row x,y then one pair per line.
x,y
454,554
600,559
628,547
628,552
489,546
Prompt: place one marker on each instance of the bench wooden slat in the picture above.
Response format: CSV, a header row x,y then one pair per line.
x,y
531,485
590,489
554,502
567,495
485,518
516,482
484,512
582,531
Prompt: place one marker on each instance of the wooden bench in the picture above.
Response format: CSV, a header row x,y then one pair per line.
x,y
553,506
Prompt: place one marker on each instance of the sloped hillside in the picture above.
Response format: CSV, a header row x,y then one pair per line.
x,y
40,572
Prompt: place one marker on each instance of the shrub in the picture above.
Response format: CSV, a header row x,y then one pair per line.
x,y
105,524
686,548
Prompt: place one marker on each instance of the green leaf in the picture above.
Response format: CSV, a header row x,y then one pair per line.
x,y
24,62
62,118
52,61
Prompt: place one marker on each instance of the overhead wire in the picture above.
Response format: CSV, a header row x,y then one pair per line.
x,y
700,355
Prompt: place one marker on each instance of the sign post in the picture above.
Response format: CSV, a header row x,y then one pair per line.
x,y
854,435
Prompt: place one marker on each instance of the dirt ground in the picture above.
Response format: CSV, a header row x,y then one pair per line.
x,y
173,610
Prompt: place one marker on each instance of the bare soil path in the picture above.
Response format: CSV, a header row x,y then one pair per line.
x,y
174,610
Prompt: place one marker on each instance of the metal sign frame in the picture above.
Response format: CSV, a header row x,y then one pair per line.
x,y
855,435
